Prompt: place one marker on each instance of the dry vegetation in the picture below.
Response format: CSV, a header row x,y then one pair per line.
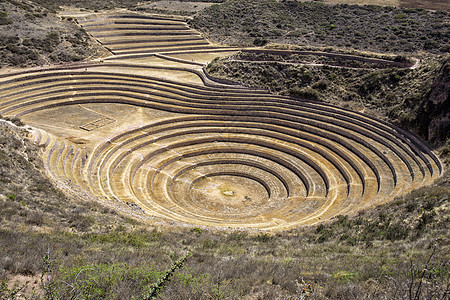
x,y
426,4
34,35
368,27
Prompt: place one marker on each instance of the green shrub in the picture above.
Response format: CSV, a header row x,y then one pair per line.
x,y
324,233
104,281
260,41
425,219
445,151
342,220
320,85
197,230
396,232
264,237
236,236
131,239
304,93
4,18
209,244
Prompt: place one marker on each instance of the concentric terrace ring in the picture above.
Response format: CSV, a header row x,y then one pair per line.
x,y
223,155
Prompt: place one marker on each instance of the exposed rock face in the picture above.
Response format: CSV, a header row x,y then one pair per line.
x,y
437,106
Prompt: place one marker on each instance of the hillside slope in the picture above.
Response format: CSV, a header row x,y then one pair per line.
x,y
34,35
29,199
363,27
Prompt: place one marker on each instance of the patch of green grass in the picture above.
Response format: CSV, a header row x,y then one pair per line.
x,y
344,276
197,230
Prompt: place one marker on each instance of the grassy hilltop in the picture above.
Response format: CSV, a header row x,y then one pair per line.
x,y
58,244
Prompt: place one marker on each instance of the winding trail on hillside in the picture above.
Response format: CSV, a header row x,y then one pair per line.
x,y
147,126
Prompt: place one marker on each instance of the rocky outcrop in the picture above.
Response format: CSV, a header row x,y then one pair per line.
x,y
437,106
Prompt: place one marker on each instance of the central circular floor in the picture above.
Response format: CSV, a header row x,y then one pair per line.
x,y
232,193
